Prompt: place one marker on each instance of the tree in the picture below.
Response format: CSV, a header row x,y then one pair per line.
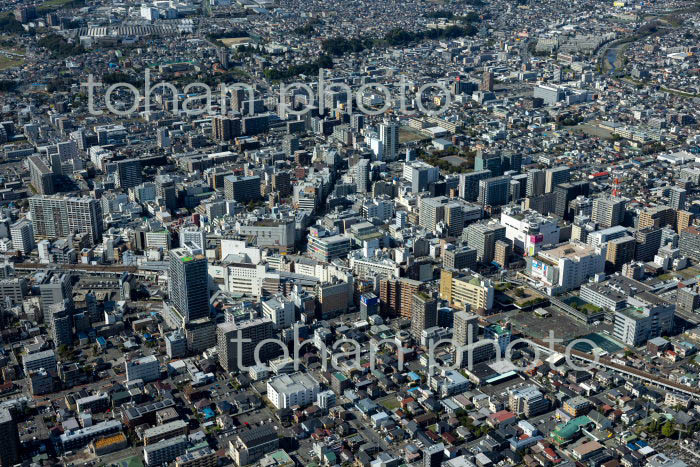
x,y
667,430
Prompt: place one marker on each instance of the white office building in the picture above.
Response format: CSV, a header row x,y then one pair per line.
x,y
565,267
145,368
287,390
280,311
529,230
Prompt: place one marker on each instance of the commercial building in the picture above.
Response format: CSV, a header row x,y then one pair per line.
x,y
529,231
528,401
251,445
165,431
612,294
13,290
274,234
146,369
242,189
280,311
287,390
37,360
328,248
641,321
74,439
458,258
687,300
466,292
565,267
600,238
550,95
165,451
420,175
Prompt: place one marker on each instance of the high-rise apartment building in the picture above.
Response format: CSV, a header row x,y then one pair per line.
x,y
396,296
620,251
232,353
188,282
9,439
659,216
55,216
494,191
556,176
677,198
242,189
423,313
483,237
466,324
432,211
129,173
362,175
487,81
683,219
469,184
22,235
42,177
225,128
389,136
536,182
648,243
608,212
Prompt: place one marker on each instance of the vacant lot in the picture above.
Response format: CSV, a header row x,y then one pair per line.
x,y
408,135
10,62
230,41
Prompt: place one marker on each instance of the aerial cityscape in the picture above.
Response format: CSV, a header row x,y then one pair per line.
x,y
275,233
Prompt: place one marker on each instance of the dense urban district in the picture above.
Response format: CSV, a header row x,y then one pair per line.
x,y
437,233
